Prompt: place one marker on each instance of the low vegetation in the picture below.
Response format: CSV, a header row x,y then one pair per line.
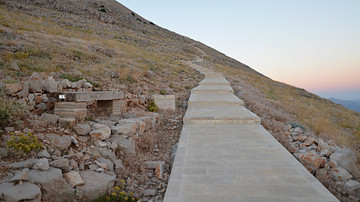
x,y
10,111
24,143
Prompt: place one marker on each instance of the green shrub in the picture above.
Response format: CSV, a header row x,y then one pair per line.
x,y
24,143
9,110
188,87
71,77
39,53
152,107
163,92
77,55
117,194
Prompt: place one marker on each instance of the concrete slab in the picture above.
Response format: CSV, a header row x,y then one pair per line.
x,y
165,102
92,96
231,162
214,99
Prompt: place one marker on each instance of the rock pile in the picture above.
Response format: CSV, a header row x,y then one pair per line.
x,y
334,166
81,162
37,89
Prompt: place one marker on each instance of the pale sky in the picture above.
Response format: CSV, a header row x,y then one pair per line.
x,y
311,44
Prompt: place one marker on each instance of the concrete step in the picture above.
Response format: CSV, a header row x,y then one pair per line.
x,y
213,89
215,81
214,99
219,114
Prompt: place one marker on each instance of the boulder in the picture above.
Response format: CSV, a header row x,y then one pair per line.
x,y
149,74
101,134
42,164
65,83
24,164
345,158
82,129
74,178
107,153
21,176
49,85
61,163
351,186
119,166
35,76
126,145
79,83
107,162
311,160
67,122
53,186
43,154
20,192
13,88
50,119
41,106
97,126
25,90
87,85
127,129
35,86
61,142
96,184
340,174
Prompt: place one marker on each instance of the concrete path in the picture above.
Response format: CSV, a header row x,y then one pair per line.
x,y
224,154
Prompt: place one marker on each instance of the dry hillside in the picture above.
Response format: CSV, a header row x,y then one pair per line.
x,y
116,49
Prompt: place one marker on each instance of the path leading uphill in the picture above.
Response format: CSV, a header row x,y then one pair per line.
x,y
224,154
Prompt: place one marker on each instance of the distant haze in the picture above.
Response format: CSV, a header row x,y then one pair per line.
x,y
309,44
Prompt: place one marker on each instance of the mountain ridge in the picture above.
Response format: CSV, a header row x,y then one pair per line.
x,y
350,104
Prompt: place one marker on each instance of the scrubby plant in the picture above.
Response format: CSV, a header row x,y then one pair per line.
x,y
9,109
71,77
162,92
188,87
24,143
118,194
152,107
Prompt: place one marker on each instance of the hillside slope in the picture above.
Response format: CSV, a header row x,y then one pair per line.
x,y
116,49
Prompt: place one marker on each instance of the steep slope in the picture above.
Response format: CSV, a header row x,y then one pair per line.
x,y
115,48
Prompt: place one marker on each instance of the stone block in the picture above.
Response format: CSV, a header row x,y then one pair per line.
x,y
165,102
13,88
66,122
71,110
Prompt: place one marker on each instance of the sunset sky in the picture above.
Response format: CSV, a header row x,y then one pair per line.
x,y
305,43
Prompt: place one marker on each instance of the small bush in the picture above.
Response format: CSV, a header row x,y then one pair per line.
x,y
152,107
117,194
24,143
188,87
71,77
77,55
9,110
39,53
163,92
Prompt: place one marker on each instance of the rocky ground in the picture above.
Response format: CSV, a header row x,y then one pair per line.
x,y
86,158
